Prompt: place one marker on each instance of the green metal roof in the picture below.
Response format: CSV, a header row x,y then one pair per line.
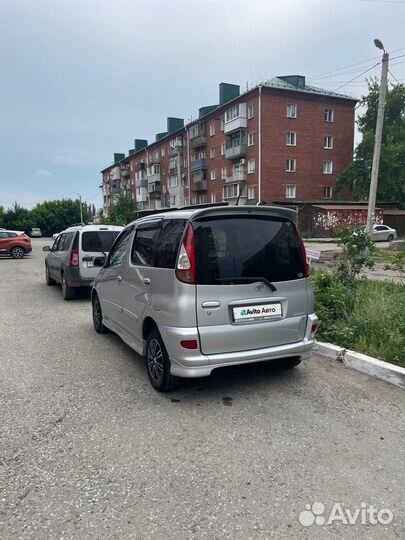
x,y
282,84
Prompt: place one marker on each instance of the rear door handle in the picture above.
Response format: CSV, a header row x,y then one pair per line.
x,y
146,280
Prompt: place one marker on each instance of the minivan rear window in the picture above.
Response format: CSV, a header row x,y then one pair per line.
x,y
232,249
98,240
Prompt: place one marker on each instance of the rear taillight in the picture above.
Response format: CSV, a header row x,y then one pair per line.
x,y
74,257
307,271
190,344
185,269
314,328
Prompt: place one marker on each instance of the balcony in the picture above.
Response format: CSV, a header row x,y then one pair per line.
x,y
125,173
240,176
235,151
153,158
239,122
154,195
154,188
199,164
154,178
140,167
142,196
197,142
115,173
116,188
199,185
141,183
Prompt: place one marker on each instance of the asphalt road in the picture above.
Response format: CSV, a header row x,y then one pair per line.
x,y
88,450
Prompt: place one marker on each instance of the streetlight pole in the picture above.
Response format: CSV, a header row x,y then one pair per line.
x,y
378,138
81,208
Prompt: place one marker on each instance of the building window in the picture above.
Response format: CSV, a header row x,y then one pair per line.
x,y
327,167
213,174
157,154
202,198
131,167
224,173
194,199
173,181
251,166
213,198
290,192
329,116
185,162
291,165
222,124
291,138
251,193
328,141
163,151
251,139
222,149
327,192
232,113
212,152
231,191
291,110
212,129
172,200
202,154
251,111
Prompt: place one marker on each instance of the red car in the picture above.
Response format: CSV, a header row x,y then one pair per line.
x,y
16,243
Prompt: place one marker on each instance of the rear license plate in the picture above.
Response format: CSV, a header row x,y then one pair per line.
x,y
90,264
257,313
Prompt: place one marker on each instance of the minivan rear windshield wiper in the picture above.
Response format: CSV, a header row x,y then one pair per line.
x,y
246,280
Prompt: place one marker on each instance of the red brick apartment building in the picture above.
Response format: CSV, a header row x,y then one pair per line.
x,y
281,141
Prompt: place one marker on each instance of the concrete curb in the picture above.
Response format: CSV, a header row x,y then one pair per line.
x,y
361,362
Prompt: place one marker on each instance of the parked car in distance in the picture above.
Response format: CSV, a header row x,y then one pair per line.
x,y
70,258
15,243
383,233
36,232
195,290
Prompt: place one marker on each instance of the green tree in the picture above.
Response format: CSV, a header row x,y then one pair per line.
x,y
391,177
17,218
57,215
122,212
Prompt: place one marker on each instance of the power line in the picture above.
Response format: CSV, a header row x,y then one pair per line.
x,y
357,76
393,76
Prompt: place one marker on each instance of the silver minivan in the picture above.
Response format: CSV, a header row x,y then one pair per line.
x,y
195,290
70,258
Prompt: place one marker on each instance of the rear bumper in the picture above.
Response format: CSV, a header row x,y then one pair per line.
x,y
74,278
188,363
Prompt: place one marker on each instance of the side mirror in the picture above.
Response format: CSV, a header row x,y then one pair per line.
x,y
99,261
46,248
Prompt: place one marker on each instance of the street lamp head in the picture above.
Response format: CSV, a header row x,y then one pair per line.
x,y
379,44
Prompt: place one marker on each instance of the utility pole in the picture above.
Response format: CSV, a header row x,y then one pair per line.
x,y
378,138
81,208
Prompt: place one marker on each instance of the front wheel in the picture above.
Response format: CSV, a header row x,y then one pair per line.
x,y
98,316
158,364
68,293
17,252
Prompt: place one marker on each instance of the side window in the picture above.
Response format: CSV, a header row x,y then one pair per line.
x,y
58,243
168,242
143,247
3,235
12,235
120,248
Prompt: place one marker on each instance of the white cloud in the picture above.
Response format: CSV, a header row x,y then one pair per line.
x,y
43,173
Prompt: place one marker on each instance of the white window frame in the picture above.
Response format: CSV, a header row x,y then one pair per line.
x,y
231,191
224,173
326,140
212,129
213,174
291,165
329,115
213,198
212,152
251,166
291,138
222,124
222,149
251,111
232,113
173,181
251,192
328,167
327,192
162,151
291,110
251,138
291,192
172,200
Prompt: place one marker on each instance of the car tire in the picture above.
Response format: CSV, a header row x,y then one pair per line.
x,y
68,292
289,363
98,316
49,281
158,364
390,238
17,252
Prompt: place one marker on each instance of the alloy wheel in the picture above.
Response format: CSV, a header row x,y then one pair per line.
x,y
155,360
18,252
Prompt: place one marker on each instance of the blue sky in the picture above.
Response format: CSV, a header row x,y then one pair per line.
x,y
83,78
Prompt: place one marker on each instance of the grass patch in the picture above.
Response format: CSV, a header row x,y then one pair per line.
x,y
366,316
386,256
